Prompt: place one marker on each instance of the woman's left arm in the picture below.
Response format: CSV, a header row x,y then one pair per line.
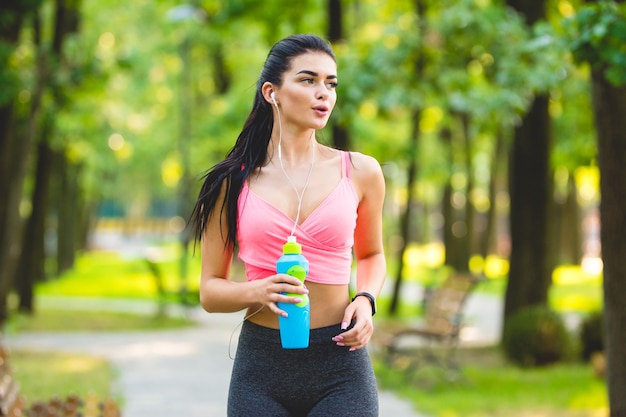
x,y
371,266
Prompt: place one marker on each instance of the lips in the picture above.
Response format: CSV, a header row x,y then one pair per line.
x,y
321,110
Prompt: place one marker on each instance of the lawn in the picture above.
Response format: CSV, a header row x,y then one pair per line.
x,y
63,375
492,387
111,274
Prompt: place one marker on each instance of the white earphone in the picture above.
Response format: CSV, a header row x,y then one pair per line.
x,y
273,97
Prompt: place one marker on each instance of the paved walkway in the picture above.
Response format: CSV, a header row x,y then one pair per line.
x,y
168,373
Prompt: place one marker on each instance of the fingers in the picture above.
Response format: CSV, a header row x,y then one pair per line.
x,y
356,338
280,288
360,334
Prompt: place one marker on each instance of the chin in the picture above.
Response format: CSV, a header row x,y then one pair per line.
x,y
320,125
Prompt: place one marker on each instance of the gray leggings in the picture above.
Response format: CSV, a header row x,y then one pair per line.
x,y
324,380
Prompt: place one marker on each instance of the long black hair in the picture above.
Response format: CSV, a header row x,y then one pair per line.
x,y
250,149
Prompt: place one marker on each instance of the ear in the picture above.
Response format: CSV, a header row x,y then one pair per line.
x,y
267,91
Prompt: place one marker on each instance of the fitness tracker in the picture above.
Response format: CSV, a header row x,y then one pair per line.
x,y
370,297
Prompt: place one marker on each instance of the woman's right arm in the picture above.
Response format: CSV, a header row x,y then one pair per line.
x,y
217,292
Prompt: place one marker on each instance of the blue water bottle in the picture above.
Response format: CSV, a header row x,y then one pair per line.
x,y
295,328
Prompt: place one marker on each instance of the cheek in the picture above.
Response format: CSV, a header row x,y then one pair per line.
x,y
333,100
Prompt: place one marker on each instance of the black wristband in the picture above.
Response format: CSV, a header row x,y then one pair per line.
x,y
370,297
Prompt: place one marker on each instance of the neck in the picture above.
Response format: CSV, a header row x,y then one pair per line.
x,y
294,150
299,194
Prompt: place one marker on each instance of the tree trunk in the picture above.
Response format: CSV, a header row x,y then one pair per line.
x,y
341,137
9,187
223,77
416,113
16,138
609,107
405,221
468,238
568,237
488,245
32,257
451,243
68,203
530,186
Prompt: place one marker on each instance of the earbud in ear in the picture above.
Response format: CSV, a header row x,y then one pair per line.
x,y
273,97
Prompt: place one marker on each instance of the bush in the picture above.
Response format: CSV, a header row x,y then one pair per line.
x,y
535,336
592,335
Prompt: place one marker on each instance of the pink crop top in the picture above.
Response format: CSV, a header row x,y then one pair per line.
x,y
326,236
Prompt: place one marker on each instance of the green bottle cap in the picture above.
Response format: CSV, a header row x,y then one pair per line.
x,y
292,247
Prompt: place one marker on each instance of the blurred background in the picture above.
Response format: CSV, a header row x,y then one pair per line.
x,y
479,111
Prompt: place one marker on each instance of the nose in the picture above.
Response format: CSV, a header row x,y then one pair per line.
x,y
322,92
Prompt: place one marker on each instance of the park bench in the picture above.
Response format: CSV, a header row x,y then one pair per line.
x,y
433,341
13,404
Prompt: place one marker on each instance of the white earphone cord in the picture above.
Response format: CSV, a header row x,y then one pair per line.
x,y
280,159
295,224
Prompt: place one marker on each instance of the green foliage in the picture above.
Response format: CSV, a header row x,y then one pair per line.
x,y
592,334
535,336
597,35
122,80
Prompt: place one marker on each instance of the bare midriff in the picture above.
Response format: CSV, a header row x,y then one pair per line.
x,y
328,304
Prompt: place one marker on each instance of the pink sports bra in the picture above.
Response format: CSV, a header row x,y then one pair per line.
x,y
326,235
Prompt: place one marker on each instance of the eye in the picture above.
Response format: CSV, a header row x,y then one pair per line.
x,y
308,80
332,84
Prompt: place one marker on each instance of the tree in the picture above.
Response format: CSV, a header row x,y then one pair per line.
x,y
31,261
341,140
598,37
15,138
530,188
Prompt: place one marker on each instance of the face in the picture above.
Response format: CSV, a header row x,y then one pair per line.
x,y
307,95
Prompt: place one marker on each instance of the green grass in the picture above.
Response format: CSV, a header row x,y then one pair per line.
x,y
108,274
492,387
44,375
54,320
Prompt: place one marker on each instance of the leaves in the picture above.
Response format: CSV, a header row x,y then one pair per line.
x,y
597,35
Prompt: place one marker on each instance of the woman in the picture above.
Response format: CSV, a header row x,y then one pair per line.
x,y
279,181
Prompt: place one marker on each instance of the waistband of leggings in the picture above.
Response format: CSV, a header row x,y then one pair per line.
x,y
317,335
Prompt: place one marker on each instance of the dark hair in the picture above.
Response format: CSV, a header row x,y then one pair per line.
x,y
250,149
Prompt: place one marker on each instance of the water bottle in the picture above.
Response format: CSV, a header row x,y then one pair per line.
x,y
295,328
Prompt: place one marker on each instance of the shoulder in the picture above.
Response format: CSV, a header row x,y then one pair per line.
x,y
367,174
365,166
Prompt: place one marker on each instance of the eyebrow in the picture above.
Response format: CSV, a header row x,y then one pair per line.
x,y
315,74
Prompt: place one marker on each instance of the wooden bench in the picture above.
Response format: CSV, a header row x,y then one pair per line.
x,y
13,404
434,340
